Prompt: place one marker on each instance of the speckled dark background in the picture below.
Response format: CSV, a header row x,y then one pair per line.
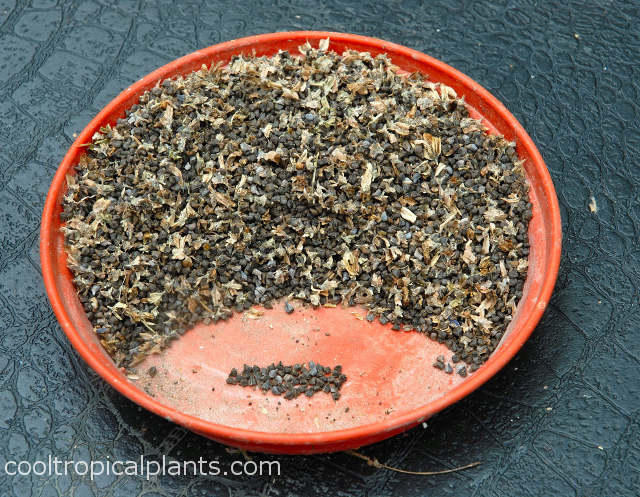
x,y
562,419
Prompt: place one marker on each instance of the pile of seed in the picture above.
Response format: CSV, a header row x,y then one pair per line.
x,y
291,381
327,178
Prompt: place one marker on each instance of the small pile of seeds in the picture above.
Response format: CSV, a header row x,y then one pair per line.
x,y
291,381
327,178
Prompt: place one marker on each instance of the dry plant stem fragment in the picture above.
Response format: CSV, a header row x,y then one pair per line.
x,y
327,178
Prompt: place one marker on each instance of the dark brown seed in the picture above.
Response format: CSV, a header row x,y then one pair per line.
x,y
282,379
220,191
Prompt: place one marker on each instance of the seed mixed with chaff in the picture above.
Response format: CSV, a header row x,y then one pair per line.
x,y
327,178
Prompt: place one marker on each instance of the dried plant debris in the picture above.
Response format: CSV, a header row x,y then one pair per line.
x,y
291,381
326,178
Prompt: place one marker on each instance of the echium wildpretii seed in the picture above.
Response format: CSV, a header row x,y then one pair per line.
x,y
327,178
292,380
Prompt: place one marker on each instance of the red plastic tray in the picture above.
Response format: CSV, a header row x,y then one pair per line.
x,y
399,387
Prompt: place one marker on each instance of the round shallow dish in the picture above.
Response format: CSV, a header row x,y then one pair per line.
x,y
392,385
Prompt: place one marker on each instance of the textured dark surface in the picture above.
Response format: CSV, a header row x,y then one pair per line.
x,y
563,418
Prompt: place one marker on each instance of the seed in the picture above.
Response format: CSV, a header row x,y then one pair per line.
x,y
221,191
282,379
